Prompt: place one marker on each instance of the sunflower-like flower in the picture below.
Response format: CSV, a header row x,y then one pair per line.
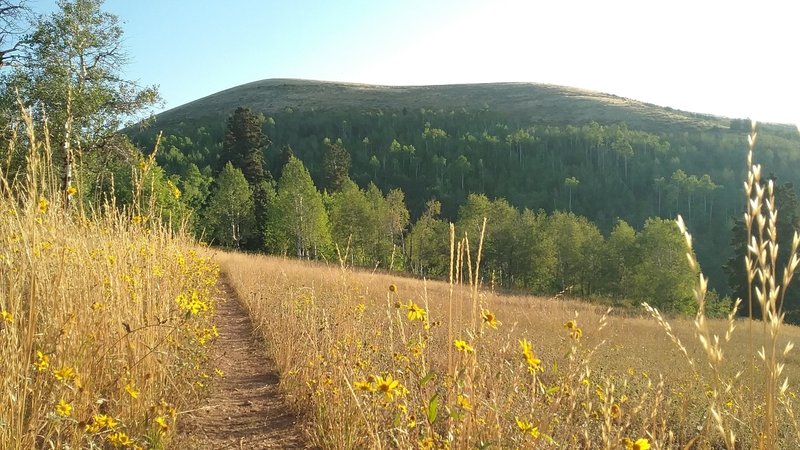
x,y
490,319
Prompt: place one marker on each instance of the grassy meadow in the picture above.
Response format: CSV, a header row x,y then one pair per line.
x,y
105,319
383,361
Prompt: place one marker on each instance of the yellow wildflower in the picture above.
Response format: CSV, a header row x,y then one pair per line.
x,y
43,205
574,331
490,319
7,316
119,439
462,346
364,386
427,444
219,373
534,363
640,444
104,421
64,373
162,424
392,287
42,361
71,191
464,403
389,386
174,189
416,313
527,427
63,408
131,390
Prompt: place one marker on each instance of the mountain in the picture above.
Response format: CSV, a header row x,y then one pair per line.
x,y
529,102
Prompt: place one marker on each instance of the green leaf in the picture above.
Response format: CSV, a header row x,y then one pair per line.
x,y
433,408
427,378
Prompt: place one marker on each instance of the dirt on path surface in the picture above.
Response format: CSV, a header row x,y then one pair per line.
x,y
245,408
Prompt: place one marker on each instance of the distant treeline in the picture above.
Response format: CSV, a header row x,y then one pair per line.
x,y
606,175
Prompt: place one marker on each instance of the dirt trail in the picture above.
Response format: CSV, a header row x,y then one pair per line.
x,y
244,409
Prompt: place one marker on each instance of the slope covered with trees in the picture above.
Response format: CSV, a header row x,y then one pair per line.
x,y
540,149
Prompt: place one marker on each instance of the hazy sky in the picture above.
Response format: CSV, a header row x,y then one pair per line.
x,y
730,58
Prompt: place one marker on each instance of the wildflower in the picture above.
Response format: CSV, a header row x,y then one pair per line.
x,y
104,421
527,427
600,394
119,439
162,424
574,331
96,305
43,205
174,189
131,390
7,316
63,408
392,288
534,363
463,402
416,313
64,373
219,373
71,191
640,444
427,444
390,387
364,386
42,361
462,346
490,319
615,411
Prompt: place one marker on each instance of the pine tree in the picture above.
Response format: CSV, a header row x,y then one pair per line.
x,y
244,145
336,165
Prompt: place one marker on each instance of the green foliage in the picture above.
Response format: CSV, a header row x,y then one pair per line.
x,y
229,216
298,222
72,71
244,144
355,225
661,276
429,246
577,252
620,257
336,166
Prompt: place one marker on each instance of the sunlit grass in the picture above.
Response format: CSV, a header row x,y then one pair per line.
x,y
104,321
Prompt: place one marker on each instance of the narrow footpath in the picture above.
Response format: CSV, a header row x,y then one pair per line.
x,y
245,408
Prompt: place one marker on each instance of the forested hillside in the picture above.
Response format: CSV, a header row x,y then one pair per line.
x,y
531,149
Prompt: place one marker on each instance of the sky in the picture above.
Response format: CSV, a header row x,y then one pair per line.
x,y
728,58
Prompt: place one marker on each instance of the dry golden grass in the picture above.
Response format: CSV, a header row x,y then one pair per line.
x,y
338,336
103,321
